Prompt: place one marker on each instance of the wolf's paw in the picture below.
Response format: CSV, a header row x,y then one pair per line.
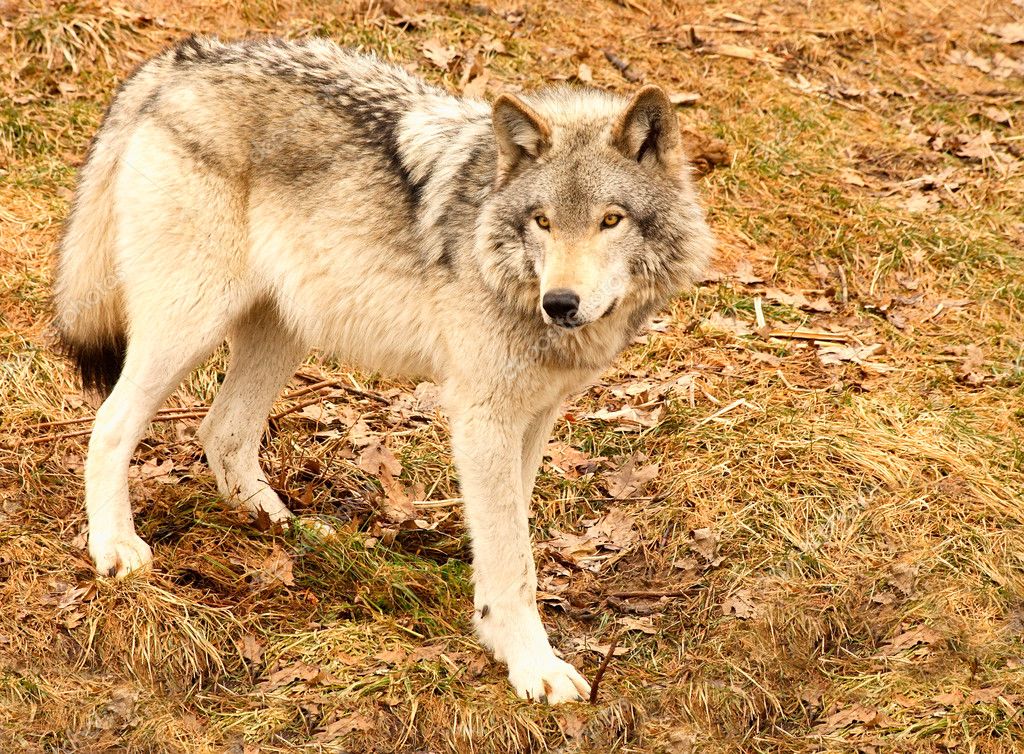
x,y
550,680
119,556
312,525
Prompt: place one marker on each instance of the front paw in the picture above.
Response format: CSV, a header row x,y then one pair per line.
x,y
119,555
547,679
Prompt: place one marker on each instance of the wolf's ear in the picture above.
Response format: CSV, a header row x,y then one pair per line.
x,y
648,130
520,131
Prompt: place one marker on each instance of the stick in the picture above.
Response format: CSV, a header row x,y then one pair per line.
x,y
194,414
603,667
656,595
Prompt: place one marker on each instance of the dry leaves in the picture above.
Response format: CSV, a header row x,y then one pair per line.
x,y
740,605
831,354
741,52
799,300
610,535
628,419
857,714
705,152
704,542
629,479
569,462
441,55
919,636
1010,33
297,672
276,569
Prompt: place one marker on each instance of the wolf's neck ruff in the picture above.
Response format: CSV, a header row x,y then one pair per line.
x,y
286,195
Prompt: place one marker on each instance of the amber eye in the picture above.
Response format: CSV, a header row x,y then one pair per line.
x,y
610,220
543,222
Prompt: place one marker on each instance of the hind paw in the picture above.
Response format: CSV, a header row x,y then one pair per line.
x,y
119,556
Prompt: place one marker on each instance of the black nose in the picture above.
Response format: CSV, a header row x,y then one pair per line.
x,y
561,304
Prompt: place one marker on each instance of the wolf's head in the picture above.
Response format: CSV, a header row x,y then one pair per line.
x,y
593,207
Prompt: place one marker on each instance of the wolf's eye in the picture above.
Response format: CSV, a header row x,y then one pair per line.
x,y
542,222
610,220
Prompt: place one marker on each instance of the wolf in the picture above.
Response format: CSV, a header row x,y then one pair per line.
x,y
290,195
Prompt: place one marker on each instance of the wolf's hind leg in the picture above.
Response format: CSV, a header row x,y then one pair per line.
x,y
263,356
154,366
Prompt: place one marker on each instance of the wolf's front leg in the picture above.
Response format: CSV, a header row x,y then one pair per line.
x,y
488,450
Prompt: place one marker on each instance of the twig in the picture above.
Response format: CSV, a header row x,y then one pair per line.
x,y
657,594
805,333
603,667
297,407
174,413
343,386
194,414
722,411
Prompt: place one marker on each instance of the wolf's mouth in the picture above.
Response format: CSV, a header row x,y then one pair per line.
x,y
611,307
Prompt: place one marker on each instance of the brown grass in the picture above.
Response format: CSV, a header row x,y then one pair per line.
x,y
859,586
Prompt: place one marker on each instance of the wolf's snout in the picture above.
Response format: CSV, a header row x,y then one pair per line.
x,y
562,305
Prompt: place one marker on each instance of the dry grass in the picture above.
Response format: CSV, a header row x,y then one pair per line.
x,y
861,583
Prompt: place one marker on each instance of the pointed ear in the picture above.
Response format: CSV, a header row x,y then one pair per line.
x,y
520,131
648,130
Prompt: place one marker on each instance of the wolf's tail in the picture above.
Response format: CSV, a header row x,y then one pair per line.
x,y
87,293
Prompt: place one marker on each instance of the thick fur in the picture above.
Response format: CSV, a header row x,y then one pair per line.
x,y
290,195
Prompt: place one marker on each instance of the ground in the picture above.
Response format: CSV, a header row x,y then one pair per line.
x,y
795,503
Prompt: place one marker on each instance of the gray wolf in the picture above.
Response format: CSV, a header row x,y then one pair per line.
x,y
284,196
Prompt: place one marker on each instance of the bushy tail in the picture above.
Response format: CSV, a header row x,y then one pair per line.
x,y
87,296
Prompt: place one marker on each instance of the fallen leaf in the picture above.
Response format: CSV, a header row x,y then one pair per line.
x,y
998,115
569,462
836,353
151,469
391,656
684,98
852,177
973,371
732,325
740,605
681,742
949,699
741,52
276,568
984,696
251,648
345,725
643,624
627,415
904,576
585,74
628,480
798,300
1010,33
375,459
705,152
744,273
612,533
439,54
586,644
296,672
858,713
571,725
920,201
915,637
704,542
